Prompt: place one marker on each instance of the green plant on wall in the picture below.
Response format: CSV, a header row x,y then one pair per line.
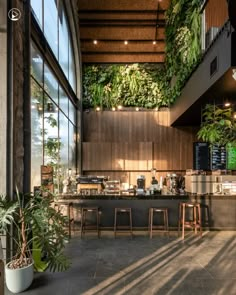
x,y
149,85
218,125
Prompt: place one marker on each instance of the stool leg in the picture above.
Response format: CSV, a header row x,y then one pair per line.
x,y
183,220
200,220
167,223
151,223
130,221
195,219
180,217
115,223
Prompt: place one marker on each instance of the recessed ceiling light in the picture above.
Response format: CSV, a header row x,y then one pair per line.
x,y
137,109
154,42
95,42
113,109
119,107
98,109
126,42
227,104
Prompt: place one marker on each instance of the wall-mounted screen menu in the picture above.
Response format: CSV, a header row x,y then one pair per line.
x,y
231,157
218,157
201,156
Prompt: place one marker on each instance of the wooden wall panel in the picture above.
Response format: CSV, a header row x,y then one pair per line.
x,y
135,141
216,13
96,156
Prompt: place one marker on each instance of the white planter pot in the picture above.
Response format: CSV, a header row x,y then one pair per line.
x,y
18,280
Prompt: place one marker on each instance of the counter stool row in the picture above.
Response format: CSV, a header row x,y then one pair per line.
x,y
189,217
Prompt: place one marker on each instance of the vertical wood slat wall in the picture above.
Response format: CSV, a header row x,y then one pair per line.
x,y
216,13
125,144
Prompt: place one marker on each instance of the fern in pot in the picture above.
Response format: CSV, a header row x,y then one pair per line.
x,y
35,222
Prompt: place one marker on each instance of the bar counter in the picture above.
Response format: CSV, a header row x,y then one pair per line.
x,y
218,211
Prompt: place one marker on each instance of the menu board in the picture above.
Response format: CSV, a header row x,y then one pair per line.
x,y
231,157
201,156
218,157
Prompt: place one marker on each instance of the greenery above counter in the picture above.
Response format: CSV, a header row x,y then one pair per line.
x,y
149,85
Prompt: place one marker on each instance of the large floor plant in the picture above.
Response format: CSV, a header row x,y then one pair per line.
x,y
35,222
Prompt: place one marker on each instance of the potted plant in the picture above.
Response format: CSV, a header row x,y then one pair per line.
x,y
35,222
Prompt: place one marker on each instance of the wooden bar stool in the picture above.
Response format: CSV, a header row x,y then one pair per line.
x,y
123,228
189,217
158,228
87,224
66,209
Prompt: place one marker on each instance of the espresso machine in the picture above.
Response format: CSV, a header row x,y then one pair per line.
x,y
140,184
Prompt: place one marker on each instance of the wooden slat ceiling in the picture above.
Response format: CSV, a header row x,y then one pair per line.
x,y
140,22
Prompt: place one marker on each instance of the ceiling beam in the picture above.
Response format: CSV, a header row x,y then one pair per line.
x,y
123,5
121,33
123,58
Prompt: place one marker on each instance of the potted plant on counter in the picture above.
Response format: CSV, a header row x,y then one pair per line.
x,y
35,222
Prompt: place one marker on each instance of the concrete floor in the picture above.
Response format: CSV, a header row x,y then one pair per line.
x,y
142,266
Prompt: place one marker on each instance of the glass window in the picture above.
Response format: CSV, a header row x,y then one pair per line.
x,y
51,24
36,133
63,41
37,6
50,84
36,65
72,75
63,140
63,101
72,148
72,112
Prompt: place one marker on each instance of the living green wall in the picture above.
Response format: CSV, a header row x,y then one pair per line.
x,y
150,85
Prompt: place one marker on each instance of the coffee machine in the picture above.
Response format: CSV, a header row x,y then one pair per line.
x,y
140,184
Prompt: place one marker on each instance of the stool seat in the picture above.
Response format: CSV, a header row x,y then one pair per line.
x,y
86,224
158,228
123,228
189,217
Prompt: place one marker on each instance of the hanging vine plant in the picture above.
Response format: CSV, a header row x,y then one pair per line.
x,y
146,85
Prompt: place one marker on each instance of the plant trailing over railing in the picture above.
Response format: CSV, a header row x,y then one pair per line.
x,y
147,85
218,126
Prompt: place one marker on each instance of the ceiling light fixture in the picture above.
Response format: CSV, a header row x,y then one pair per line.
x,y
98,109
137,109
95,42
154,42
227,104
119,107
126,42
113,109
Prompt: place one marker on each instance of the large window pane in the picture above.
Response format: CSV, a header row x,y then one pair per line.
x,y
72,75
72,112
51,141
63,41
51,24
72,148
50,84
63,101
36,65
36,133
37,7
63,139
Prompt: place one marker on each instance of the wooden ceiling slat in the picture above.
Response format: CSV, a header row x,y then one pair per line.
x,y
119,33
102,46
123,58
122,4
142,15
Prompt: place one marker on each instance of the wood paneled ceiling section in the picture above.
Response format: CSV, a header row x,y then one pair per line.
x,y
111,22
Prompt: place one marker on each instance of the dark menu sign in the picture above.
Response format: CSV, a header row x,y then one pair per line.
x,y
218,157
201,156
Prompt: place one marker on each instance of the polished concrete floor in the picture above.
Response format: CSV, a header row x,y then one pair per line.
x,y
142,266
